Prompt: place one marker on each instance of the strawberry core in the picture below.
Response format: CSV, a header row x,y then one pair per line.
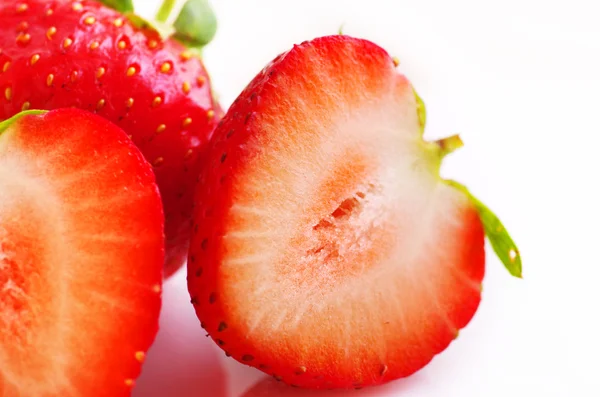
x,y
347,239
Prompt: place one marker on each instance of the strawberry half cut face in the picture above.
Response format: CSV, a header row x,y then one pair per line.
x,y
327,249
81,256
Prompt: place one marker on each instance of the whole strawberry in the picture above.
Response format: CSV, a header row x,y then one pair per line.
x,y
327,250
64,53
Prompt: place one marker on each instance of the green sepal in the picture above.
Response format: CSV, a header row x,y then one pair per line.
x,y
119,5
341,29
421,111
8,122
196,24
498,236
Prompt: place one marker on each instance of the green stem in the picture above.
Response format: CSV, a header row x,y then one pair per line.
x,y
165,10
449,144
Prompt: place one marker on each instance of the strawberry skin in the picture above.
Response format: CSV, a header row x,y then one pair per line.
x,y
63,53
81,257
327,251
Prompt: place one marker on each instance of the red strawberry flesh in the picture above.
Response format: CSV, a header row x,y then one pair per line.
x,y
81,253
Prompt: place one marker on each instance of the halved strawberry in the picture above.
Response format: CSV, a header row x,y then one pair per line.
x,y
64,53
81,254
327,250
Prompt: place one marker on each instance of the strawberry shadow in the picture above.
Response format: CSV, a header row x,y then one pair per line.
x,y
182,362
268,387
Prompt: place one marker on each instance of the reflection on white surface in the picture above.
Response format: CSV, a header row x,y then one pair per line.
x,y
182,362
269,387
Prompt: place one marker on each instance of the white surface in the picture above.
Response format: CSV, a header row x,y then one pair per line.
x,y
520,79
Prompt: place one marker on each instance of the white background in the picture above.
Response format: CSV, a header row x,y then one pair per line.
x,y
520,80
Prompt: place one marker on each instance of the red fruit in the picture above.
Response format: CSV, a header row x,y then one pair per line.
x,y
327,250
64,53
81,257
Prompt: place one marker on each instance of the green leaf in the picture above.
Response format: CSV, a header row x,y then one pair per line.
x,y
196,24
8,122
421,111
498,236
119,5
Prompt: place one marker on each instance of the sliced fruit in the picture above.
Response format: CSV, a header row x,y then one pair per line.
x,y
83,54
327,250
81,256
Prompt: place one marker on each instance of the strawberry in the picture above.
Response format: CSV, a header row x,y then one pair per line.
x,y
81,256
327,250
65,53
